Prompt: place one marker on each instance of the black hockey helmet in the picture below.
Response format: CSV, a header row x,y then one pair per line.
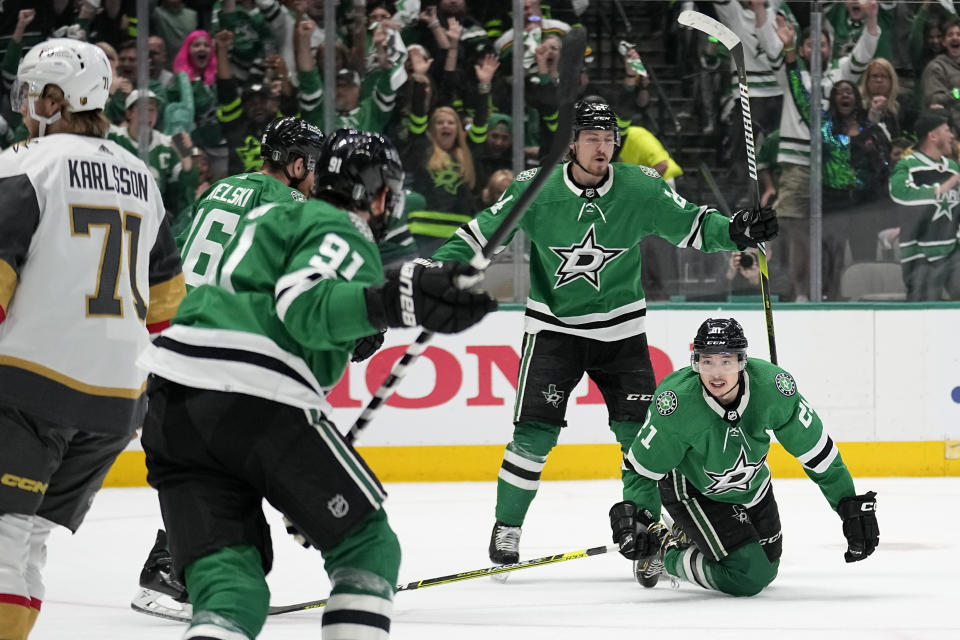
x,y
354,167
720,335
593,113
288,138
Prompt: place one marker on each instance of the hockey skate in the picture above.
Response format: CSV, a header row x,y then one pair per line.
x,y
161,594
647,571
504,544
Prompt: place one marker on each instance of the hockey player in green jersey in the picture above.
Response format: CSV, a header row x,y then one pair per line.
x,y
289,147
586,307
238,412
702,452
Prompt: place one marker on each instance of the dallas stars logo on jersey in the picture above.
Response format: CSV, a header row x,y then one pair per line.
x,y
666,403
785,384
735,478
584,259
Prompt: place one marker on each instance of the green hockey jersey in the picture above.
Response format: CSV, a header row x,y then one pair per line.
x,y
252,38
722,450
584,253
928,223
216,215
376,105
282,311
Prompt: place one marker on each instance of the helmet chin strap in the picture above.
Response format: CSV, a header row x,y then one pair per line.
x,y
43,121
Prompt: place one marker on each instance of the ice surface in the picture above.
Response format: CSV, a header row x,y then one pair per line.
x,y
908,589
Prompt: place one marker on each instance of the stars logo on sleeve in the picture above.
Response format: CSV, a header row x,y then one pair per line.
x,y
584,259
666,403
736,478
650,171
785,384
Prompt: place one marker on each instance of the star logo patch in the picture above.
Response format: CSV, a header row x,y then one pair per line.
x,y
945,207
585,259
736,478
785,383
666,403
740,514
553,395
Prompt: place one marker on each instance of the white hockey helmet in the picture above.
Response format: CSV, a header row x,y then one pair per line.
x,y
80,69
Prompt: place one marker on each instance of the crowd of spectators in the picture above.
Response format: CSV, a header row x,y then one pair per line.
x,y
436,76
885,67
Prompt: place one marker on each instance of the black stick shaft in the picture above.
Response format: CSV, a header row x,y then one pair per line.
x,y
752,171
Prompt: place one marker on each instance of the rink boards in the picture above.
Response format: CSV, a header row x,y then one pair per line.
x,y
885,380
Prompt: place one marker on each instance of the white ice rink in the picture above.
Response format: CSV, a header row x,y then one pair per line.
x,y
909,589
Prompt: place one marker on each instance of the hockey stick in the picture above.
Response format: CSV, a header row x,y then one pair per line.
x,y
571,60
184,615
729,39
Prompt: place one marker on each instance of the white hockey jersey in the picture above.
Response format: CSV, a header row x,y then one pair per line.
x,y
794,132
86,264
760,66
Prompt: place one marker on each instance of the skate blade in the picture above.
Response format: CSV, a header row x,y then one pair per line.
x,y
154,603
500,577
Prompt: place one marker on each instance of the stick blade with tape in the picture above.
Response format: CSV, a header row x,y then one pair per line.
x,y
702,22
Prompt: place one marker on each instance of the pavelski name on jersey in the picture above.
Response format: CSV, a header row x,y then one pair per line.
x,y
98,176
231,194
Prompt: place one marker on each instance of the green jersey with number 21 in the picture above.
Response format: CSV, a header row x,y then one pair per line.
x,y
722,450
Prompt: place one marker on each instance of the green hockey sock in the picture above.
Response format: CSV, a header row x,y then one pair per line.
x,y
745,572
519,476
363,571
372,547
228,589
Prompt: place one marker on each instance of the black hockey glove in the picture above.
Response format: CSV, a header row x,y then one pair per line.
x,y
749,227
630,531
431,294
859,515
293,531
367,346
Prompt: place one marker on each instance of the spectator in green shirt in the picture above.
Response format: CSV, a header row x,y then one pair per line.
x,y
176,178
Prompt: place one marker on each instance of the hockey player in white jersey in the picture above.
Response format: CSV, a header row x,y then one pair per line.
x,y
87,266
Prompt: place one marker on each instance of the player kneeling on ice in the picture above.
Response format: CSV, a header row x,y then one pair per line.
x,y
702,452
238,412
